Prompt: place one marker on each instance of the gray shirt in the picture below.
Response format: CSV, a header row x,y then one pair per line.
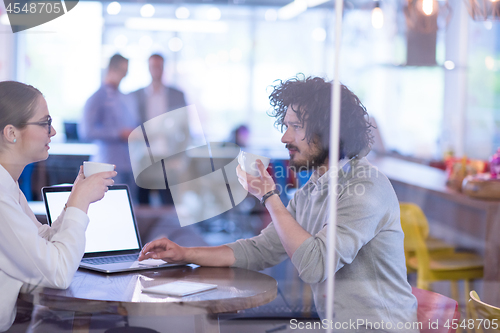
x,y
370,279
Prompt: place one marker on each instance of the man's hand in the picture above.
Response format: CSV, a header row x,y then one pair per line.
x,y
291,234
257,186
215,256
164,249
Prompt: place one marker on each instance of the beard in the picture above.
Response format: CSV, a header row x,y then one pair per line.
x,y
311,161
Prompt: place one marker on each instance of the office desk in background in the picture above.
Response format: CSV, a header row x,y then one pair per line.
x,y
94,293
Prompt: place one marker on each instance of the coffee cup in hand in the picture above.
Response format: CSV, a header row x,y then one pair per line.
x,y
89,168
248,163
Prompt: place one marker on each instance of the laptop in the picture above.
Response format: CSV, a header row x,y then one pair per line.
x,y
113,243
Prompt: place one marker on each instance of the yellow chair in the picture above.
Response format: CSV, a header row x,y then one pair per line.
x,y
433,267
434,245
489,313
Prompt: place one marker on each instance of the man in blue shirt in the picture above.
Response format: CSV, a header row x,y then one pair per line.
x,y
108,121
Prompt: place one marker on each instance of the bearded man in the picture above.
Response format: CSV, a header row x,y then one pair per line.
x,y
371,289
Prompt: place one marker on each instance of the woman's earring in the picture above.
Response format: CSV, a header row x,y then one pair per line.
x,y
15,140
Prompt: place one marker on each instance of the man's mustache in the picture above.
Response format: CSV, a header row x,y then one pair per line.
x,y
289,146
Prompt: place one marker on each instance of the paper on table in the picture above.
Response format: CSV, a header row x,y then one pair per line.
x,y
179,288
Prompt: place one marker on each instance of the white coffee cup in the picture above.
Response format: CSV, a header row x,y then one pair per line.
x,y
89,168
248,162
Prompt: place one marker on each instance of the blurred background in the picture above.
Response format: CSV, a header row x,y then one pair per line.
x,y
432,90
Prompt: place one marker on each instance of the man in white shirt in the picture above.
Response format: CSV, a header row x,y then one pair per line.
x,y
155,100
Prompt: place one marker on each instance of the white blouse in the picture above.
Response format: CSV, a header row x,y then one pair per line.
x,y
32,253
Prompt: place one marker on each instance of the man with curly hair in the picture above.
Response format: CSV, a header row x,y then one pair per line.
x,y
371,289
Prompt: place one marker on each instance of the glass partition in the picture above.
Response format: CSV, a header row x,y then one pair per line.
x,y
408,202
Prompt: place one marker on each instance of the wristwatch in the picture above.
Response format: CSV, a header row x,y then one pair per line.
x,y
267,195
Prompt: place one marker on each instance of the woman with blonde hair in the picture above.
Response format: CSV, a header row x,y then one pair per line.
x,y
32,253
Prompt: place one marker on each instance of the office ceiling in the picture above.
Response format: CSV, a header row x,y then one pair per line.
x,y
276,3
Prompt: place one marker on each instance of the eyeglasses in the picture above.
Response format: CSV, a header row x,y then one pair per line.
x,y
47,123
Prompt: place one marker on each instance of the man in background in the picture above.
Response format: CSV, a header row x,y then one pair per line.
x,y
154,100
108,121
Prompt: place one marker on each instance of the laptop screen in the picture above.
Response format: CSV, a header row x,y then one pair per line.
x,y
111,226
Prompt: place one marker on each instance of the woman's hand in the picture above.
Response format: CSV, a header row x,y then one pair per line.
x,y
91,189
164,249
257,186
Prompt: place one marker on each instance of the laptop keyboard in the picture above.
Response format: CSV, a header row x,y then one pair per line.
x,y
110,260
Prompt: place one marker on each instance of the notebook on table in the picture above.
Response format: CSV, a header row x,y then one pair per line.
x,y
112,238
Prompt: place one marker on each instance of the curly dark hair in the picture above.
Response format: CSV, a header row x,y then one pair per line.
x,y
310,98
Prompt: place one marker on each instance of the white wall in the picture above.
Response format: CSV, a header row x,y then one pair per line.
x,y
7,63
6,50
455,94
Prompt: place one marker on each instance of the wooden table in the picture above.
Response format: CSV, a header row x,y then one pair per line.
x,y
453,216
92,293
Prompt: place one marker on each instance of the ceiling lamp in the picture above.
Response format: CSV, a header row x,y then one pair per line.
x,y
423,15
377,16
423,18
483,10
